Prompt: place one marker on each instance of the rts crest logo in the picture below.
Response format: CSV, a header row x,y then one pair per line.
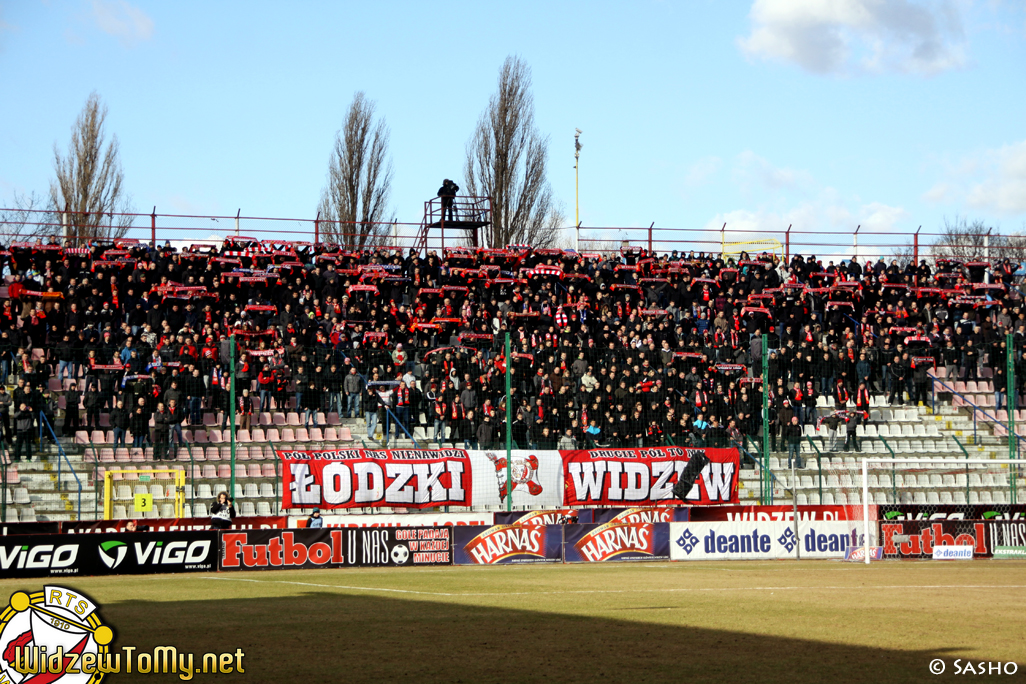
x,y
59,626
523,469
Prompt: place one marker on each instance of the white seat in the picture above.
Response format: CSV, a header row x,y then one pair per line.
x,y
919,497
932,430
142,489
263,508
948,480
157,491
120,512
123,492
883,430
840,498
167,510
247,508
880,498
252,491
986,497
946,498
906,430
974,497
803,500
266,490
828,499
932,497
919,430
832,481
204,492
959,497
870,431
21,495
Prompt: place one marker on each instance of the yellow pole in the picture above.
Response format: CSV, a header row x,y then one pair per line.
x,y
108,482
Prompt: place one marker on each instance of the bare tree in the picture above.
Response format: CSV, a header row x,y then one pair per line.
x,y
965,240
506,160
26,218
904,255
88,191
354,203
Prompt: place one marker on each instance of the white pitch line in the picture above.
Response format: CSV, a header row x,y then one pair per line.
x,y
619,591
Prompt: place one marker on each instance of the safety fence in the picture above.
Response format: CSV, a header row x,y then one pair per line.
x,y
561,536
437,230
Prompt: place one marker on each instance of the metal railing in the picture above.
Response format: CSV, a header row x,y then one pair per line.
x,y
62,458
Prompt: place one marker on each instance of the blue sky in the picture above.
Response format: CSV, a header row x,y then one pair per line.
x,y
821,114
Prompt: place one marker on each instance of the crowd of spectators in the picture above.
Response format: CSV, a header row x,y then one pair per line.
x,y
621,350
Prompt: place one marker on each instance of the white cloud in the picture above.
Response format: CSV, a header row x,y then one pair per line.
x,y
1003,190
991,180
702,170
118,18
940,193
750,168
824,226
842,36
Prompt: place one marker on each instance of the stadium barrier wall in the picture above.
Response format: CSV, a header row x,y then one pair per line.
x,y
335,548
616,541
134,553
626,537
763,539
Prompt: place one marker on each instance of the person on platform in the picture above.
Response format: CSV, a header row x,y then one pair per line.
x,y
448,194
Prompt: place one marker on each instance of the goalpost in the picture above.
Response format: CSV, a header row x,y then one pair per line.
x,y
143,490
988,474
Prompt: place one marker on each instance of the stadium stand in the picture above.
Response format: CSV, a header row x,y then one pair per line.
x,y
124,349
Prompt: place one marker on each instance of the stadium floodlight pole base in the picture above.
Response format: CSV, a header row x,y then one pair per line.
x,y
865,481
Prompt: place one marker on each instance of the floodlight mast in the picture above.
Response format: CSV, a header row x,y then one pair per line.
x,y
577,176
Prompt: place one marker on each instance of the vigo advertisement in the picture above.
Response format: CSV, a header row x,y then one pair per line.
x,y
953,512
762,540
616,541
614,477
134,553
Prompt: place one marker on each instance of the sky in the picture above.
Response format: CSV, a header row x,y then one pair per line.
x,y
822,115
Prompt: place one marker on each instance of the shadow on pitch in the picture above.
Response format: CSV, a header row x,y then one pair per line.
x,y
332,637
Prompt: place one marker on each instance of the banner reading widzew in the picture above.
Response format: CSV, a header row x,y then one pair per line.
x,y
614,477
354,478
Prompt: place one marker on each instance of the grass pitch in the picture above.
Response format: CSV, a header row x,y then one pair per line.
x,y
813,621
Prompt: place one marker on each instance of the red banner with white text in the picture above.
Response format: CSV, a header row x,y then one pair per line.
x,y
641,477
366,478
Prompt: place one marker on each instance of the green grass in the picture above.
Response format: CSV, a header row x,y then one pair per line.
x,y
814,621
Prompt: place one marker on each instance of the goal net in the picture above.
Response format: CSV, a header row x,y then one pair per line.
x,y
130,493
924,490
